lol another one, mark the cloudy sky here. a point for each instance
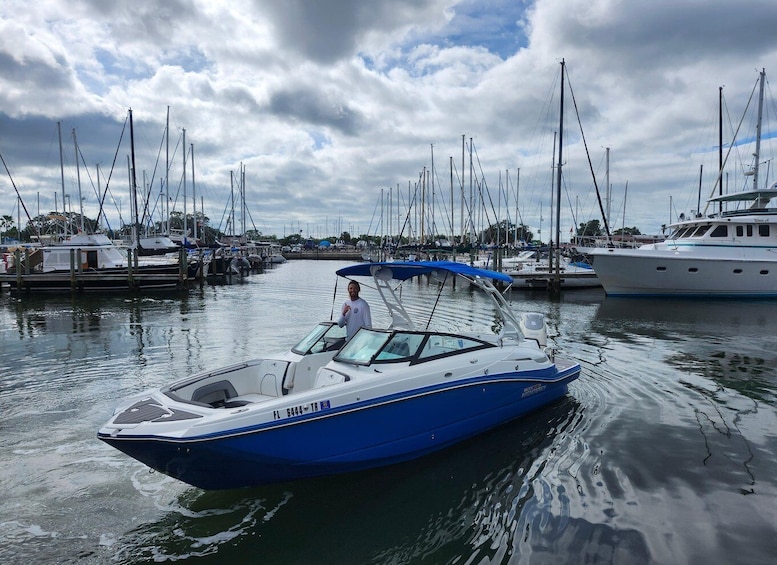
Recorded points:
(335, 108)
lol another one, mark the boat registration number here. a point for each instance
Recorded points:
(301, 409)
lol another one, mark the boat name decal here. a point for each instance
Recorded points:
(533, 389)
(301, 409)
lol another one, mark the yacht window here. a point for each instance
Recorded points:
(720, 231)
(763, 230)
(699, 231)
(446, 344)
(661, 269)
(687, 232)
(737, 271)
(693, 270)
(764, 272)
(740, 231)
(749, 231)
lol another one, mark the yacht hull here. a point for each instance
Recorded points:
(673, 273)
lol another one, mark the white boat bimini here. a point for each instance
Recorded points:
(386, 396)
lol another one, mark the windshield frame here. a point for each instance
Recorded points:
(325, 336)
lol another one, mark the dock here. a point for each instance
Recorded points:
(81, 278)
(325, 255)
(86, 281)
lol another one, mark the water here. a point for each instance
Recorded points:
(663, 452)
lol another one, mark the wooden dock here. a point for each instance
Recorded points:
(325, 255)
(90, 281)
(170, 276)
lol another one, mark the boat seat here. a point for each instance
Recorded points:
(250, 398)
(268, 389)
(216, 394)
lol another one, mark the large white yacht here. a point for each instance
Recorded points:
(728, 254)
(731, 252)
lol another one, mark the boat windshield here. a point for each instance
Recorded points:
(326, 336)
(363, 346)
(374, 346)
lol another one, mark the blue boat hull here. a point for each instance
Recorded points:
(353, 438)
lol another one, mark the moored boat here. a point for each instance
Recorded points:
(532, 273)
(725, 255)
(328, 406)
(731, 252)
(92, 262)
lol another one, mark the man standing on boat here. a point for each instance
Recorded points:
(356, 312)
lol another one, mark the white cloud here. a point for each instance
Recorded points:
(326, 103)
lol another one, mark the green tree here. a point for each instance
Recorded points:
(505, 231)
(6, 224)
(592, 229)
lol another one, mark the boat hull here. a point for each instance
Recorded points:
(353, 437)
(675, 272)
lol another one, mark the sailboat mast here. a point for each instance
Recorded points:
(194, 198)
(62, 176)
(608, 186)
(517, 213)
(231, 218)
(720, 147)
(453, 212)
(423, 207)
(243, 208)
(758, 130)
(431, 215)
(78, 179)
(185, 223)
(720, 144)
(555, 287)
(134, 195)
(552, 181)
(560, 160)
(167, 170)
(461, 208)
(471, 197)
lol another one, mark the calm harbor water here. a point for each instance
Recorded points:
(664, 451)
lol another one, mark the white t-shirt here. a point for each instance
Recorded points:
(357, 317)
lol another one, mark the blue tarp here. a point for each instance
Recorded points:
(403, 270)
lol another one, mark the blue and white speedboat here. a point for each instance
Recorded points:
(386, 396)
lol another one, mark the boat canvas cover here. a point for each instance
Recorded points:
(403, 270)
